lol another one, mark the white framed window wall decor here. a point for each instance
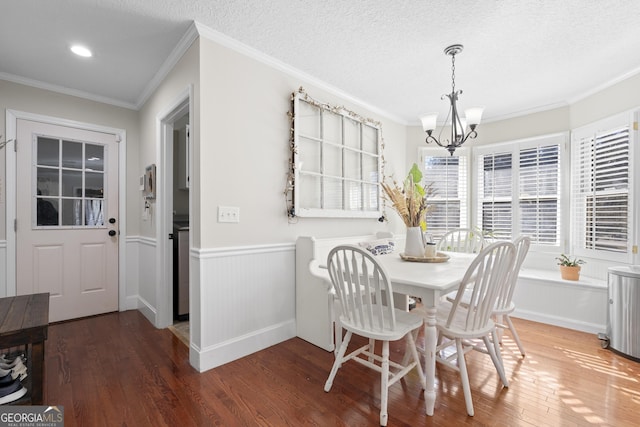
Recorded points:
(337, 161)
(448, 176)
(520, 189)
(602, 196)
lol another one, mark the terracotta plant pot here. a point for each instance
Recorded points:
(570, 273)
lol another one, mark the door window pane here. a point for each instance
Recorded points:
(47, 182)
(94, 185)
(93, 213)
(71, 154)
(94, 157)
(72, 212)
(71, 183)
(47, 211)
(48, 151)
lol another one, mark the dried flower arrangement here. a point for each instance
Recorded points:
(410, 200)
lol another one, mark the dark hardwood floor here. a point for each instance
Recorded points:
(118, 370)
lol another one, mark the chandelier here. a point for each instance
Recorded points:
(458, 125)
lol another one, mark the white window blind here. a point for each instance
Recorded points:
(600, 190)
(519, 189)
(448, 178)
(539, 194)
(495, 179)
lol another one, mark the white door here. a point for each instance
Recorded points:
(67, 210)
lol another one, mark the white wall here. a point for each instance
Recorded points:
(245, 151)
(247, 270)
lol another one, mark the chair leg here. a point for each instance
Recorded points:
(372, 348)
(411, 342)
(337, 336)
(407, 350)
(462, 365)
(499, 321)
(338, 362)
(384, 383)
(496, 345)
(515, 335)
(495, 358)
(337, 327)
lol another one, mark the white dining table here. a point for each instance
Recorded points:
(430, 282)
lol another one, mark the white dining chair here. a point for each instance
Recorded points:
(365, 295)
(505, 305)
(461, 240)
(459, 323)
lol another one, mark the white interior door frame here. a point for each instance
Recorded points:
(11, 123)
(181, 105)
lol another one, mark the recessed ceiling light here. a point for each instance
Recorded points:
(81, 51)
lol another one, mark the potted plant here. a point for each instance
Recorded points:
(569, 268)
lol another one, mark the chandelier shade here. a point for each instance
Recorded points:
(458, 125)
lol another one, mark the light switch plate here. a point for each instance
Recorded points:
(228, 214)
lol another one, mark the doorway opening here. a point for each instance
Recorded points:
(175, 216)
(180, 220)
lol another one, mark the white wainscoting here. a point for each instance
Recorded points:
(573, 305)
(129, 298)
(146, 295)
(3, 268)
(542, 296)
(247, 301)
(141, 277)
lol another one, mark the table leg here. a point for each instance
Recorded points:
(37, 373)
(430, 339)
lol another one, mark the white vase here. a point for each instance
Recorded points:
(414, 243)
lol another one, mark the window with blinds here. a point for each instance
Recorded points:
(447, 176)
(600, 189)
(495, 198)
(539, 181)
(519, 188)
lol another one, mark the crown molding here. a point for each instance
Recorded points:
(604, 86)
(66, 91)
(257, 55)
(181, 48)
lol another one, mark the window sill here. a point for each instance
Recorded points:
(553, 276)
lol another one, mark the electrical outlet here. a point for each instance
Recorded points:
(228, 214)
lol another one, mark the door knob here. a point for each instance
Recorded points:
(112, 233)
(112, 220)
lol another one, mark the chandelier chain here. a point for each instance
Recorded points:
(453, 73)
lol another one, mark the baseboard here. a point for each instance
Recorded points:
(219, 354)
(559, 321)
(147, 310)
(130, 303)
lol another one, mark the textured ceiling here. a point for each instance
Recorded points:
(519, 56)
